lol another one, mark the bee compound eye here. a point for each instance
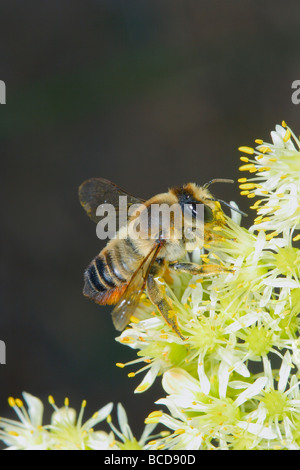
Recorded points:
(208, 214)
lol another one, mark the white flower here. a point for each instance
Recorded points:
(205, 421)
(127, 440)
(276, 169)
(27, 433)
(70, 432)
(65, 432)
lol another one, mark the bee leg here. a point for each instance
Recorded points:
(204, 269)
(157, 298)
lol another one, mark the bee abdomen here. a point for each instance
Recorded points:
(103, 282)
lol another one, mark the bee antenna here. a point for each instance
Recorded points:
(217, 180)
(232, 207)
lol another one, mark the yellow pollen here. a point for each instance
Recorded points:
(259, 157)
(83, 404)
(287, 135)
(160, 447)
(13, 433)
(126, 340)
(272, 159)
(251, 195)
(155, 414)
(131, 374)
(11, 402)
(256, 204)
(248, 167)
(142, 388)
(193, 286)
(282, 177)
(67, 402)
(248, 150)
(134, 319)
(248, 186)
(51, 400)
(271, 235)
(264, 168)
(244, 159)
(264, 149)
(242, 180)
(164, 336)
(19, 403)
(108, 419)
(259, 141)
(120, 364)
(179, 431)
(283, 124)
(152, 443)
(296, 238)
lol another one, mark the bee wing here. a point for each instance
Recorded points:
(131, 297)
(97, 191)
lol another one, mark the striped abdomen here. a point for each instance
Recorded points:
(108, 275)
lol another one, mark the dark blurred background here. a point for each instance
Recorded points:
(148, 94)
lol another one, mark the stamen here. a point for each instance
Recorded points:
(287, 135)
(248, 150)
(120, 364)
(142, 388)
(248, 186)
(11, 402)
(248, 167)
(80, 416)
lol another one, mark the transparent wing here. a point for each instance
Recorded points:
(131, 297)
(97, 191)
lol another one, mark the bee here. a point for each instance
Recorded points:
(127, 265)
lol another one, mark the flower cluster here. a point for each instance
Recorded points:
(67, 431)
(233, 382)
